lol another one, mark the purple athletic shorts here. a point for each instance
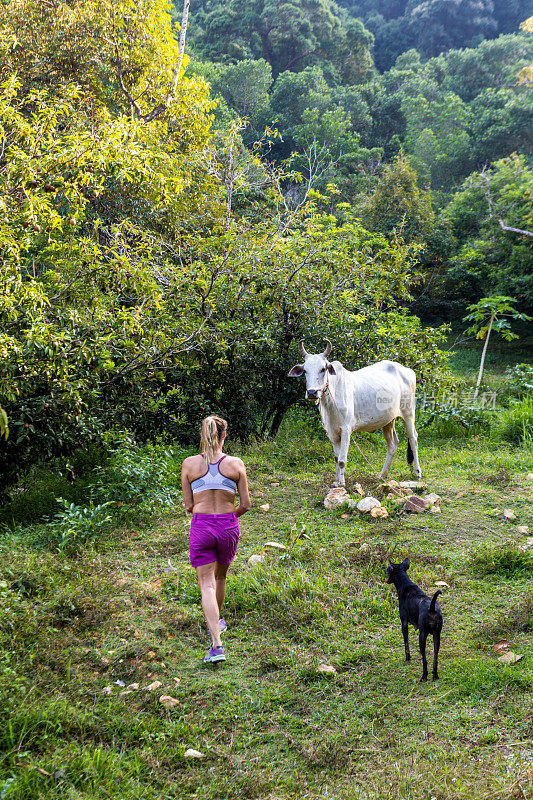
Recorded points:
(214, 537)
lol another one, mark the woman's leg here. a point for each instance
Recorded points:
(208, 588)
(221, 570)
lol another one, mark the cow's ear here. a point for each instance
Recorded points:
(296, 371)
(331, 369)
(406, 564)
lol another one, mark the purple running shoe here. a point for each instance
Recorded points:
(214, 655)
(222, 626)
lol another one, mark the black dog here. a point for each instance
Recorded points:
(416, 608)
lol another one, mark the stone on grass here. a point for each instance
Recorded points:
(133, 687)
(509, 514)
(275, 547)
(365, 548)
(442, 585)
(413, 485)
(153, 687)
(336, 497)
(433, 498)
(510, 658)
(435, 509)
(254, 560)
(529, 541)
(501, 647)
(523, 529)
(359, 489)
(367, 504)
(529, 476)
(345, 516)
(265, 507)
(327, 669)
(168, 702)
(379, 511)
(416, 504)
(190, 753)
(107, 690)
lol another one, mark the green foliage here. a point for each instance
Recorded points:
(494, 313)
(398, 204)
(76, 526)
(515, 423)
(486, 255)
(144, 478)
(517, 382)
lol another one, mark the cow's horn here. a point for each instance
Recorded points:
(302, 350)
(327, 351)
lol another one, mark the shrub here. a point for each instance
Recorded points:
(517, 382)
(75, 526)
(144, 477)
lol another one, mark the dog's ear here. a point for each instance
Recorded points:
(406, 564)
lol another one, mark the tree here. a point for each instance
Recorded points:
(398, 204)
(488, 314)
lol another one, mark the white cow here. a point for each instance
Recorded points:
(365, 400)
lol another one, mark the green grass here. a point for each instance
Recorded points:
(270, 726)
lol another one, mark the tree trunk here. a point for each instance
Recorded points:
(277, 420)
(483, 354)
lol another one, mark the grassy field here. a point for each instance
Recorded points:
(267, 723)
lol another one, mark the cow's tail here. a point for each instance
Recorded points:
(434, 600)
(410, 456)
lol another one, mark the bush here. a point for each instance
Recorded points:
(518, 382)
(142, 477)
(75, 526)
(515, 424)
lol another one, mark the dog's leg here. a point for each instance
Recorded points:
(422, 637)
(405, 631)
(436, 647)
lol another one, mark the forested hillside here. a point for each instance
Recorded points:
(414, 133)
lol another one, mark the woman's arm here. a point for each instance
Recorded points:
(242, 488)
(186, 488)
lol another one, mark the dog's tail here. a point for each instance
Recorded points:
(434, 600)
(410, 456)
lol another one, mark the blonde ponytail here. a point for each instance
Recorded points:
(211, 432)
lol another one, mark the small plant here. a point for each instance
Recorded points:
(508, 560)
(517, 382)
(142, 477)
(492, 313)
(75, 525)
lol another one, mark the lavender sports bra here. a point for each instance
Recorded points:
(213, 479)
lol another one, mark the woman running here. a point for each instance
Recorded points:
(209, 482)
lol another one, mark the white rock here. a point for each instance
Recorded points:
(265, 507)
(327, 669)
(510, 658)
(359, 489)
(433, 498)
(413, 485)
(435, 510)
(190, 753)
(351, 504)
(153, 687)
(529, 541)
(442, 585)
(523, 529)
(168, 702)
(509, 514)
(367, 504)
(133, 687)
(336, 497)
(254, 560)
(365, 548)
(529, 476)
